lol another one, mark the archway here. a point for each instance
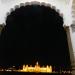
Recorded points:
(35, 33)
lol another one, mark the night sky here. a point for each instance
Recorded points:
(34, 33)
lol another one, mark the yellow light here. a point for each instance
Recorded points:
(37, 68)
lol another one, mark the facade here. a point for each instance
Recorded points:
(66, 8)
(37, 68)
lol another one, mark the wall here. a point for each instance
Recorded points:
(63, 5)
(67, 7)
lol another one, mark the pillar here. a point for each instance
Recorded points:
(70, 39)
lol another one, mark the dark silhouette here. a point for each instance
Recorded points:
(34, 33)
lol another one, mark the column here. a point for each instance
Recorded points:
(70, 40)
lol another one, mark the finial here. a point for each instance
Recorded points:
(37, 63)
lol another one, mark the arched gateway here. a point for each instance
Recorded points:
(35, 32)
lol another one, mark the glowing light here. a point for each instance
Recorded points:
(37, 68)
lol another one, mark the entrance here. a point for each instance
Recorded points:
(35, 33)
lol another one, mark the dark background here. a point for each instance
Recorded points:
(34, 33)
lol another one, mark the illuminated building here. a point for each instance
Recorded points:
(37, 68)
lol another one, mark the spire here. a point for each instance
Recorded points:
(37, 63)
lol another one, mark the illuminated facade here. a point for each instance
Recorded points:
(37, 68)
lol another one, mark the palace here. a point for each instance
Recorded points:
(37, 68)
